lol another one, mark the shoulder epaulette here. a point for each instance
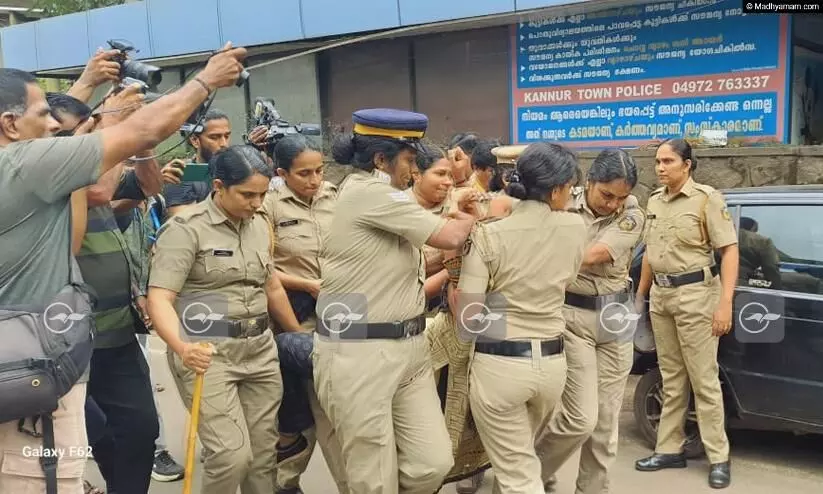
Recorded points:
(706, 189)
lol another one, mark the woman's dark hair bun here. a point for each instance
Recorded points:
(343, 149)
(516, 190)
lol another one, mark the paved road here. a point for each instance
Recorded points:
(763, 463)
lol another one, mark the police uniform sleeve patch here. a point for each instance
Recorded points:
(726, 215)
(627, 224)
(467, 247)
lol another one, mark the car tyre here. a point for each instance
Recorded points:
(648, 404)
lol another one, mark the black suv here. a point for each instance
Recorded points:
(771, 364)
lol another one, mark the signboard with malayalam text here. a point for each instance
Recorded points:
(626, 76)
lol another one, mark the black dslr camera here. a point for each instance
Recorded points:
(148, 74)
(266, 114)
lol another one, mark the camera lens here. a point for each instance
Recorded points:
(149, 74)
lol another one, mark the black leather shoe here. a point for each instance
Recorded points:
(720, 475)
(657, 462)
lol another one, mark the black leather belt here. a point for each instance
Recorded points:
(676, 280)
(374, 331)
(596, 302)
(519, 348)
(244, 328)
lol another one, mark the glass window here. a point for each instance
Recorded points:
(781, 247)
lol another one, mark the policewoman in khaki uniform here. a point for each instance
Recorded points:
(690, 307)
(509, 300)
(599, 348)
(213, 272)
(300, 210)
(372, 369)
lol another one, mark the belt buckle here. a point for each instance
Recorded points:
(251, 326)
(663, 280)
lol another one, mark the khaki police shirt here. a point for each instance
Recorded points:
(619, 232)
(371, 252)
(437, 209)
(298, 228)
(528, 258)
(674, 236)
(201, 250)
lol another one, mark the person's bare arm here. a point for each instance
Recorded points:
(160, 306)
(729, 266)
(79, 219)
(434, 283)
(644, 285)
(153, 123)
(279, 307)
(454, 233)
(149, 174)
(102, 192)
(298, 284)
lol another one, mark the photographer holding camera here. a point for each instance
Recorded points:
(38, 173)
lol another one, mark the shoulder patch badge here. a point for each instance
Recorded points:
(726, 215)
(627, 224)
(467, 247)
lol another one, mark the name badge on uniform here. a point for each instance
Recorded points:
(222, 252)
(288, 223)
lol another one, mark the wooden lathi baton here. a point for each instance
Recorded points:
(192, 432)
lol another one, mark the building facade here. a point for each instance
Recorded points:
(587, 73)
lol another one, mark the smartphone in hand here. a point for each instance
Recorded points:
(196, 172)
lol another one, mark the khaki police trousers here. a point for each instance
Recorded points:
(381, 399)
(687, 353)
(511, 401)
(20, 453)
(242, 390)
(589, 412)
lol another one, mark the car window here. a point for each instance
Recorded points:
(781, 247)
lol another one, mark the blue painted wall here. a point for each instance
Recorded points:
(161, 28)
